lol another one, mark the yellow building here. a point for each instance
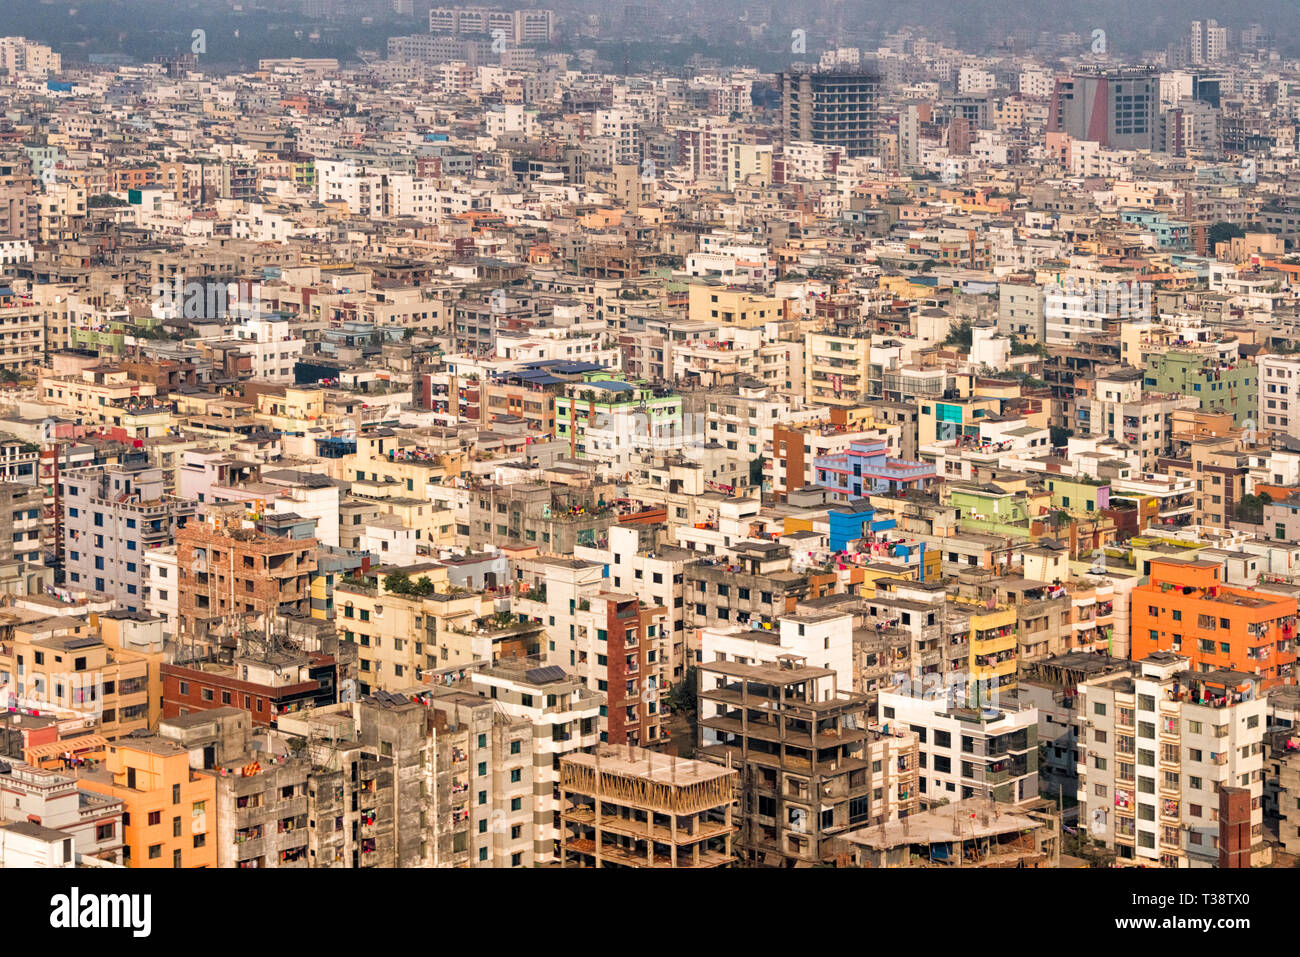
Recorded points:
(170, 812)
(714, 302)
(398, 636)
(382, 456)
(137, 634)
(434, 524)
(98, 396)
(993, 646)
(65, 665)
(836, 369)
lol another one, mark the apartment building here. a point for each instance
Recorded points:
(566, 717)
(69, 670)
(1051, 686)
(169, 810)
(1118, 408)
(53, 800)
(260, 809)
(1279, 388)
(226, 569)
(497, 797)
(22, 525)
(22, 328)
(831, 108)
(111, 517)
(656, 574)
(1157, 748)
(966, 752)
(1187, 608)
(370, 799)
(618, 644)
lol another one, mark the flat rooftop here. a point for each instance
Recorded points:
(649, 766)
(965, 820)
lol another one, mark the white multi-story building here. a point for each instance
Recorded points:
(53, 800)
(19, 55)
(1155, 749)
(566, 717)
(273, 346)
(1279, 387)
(161, 578)
(822, 639)
(968, 753)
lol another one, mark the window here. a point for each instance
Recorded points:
(516, 776)
(155, 818)
(155, 851)
(514, 747)
(516, 804)
(176, 794)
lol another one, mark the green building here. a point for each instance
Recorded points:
(1220, 386)
(629, 416)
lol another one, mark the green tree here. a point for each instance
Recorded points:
(1019, 348)
(959, 335)
(397, 583)
(1251, 508)
(682, 696)
(756, 471)
(104, 199)
(1222, 232)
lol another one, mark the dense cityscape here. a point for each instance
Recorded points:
(532, 437)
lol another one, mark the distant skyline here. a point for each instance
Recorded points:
(735, 31)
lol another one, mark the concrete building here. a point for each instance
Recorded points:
(226, 569)
(1186, 608)
(53, 800)
(1051, 686)
(22, 524)
(1116, 108)
(1279, 388)
(565, 716)
(969, 753)
(974, 832)
(111, 516)
(628, 807)
(833, 108)
(809, 764)
(169, 809)
(1155, 749)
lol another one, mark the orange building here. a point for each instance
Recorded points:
(1186, 608)
(170, 811)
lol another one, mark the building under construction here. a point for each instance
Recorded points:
(629, 807)
(975, 832)
(810, 766)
